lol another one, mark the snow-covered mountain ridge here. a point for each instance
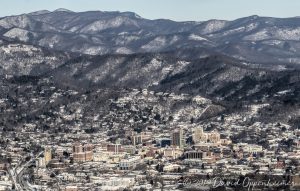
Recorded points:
(254, 38)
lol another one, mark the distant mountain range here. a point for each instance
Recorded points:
(246, 59)
(252, 39)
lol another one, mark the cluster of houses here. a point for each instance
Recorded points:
(136, 143)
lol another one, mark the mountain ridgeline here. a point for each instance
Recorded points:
(252, 58)
(254, 38)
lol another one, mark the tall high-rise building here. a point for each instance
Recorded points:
(115, 148)
(88, 149)
(178, 139)
(137, 139)
(77, 148)
(82, 153)
(199, 136)
(47, 155)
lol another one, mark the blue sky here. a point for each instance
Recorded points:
(180, 10)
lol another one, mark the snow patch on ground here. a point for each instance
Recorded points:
(196, 37)
(213, 26)
(123, 50)
(21, 21)
(101, 25)
(125, 39)
(255, 108)
(155, 44)
(17, 33)
(283, 92)
(201, 100)
(275, 33)
(15, 48)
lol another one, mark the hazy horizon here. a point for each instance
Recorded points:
(178, 10)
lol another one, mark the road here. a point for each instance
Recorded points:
(18, 177)
(12, 173)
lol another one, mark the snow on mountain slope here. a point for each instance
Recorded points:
(20, 59)
(157, 43)
(22, 21)
(19, 34)
(101, 25)
(25, 22)
(123, 50)
(97, 32)
(288, 34)
(141, 70)
(261, 35)
(275, 33)
(211, 26)
(196, 37)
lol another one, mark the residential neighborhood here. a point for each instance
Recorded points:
(137, 145)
